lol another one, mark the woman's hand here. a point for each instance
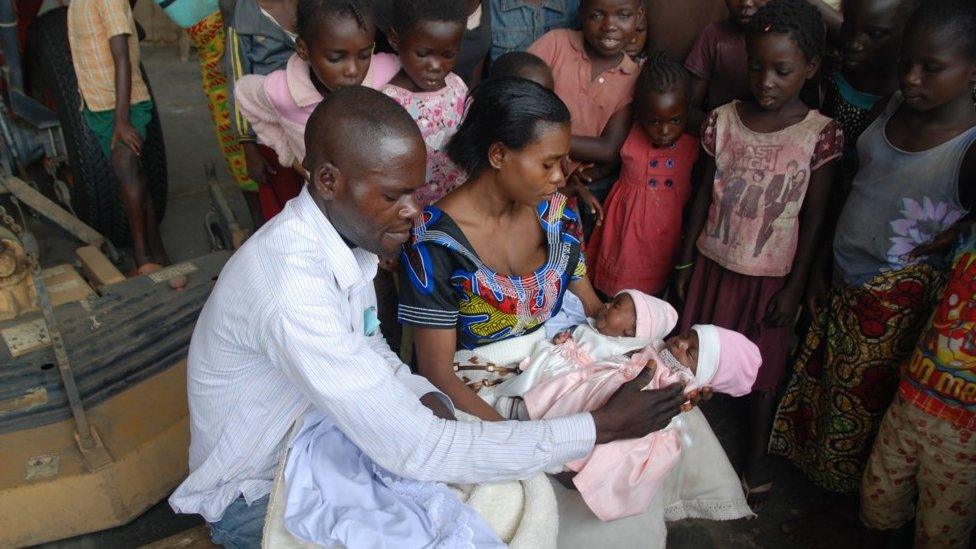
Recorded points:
(436, 405)
(782, 309)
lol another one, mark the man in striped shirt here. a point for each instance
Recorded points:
(291, 326)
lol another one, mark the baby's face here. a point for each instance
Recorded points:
(619, 318)
(684, 347)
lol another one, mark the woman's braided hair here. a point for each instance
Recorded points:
(798, 18)
(311, 13)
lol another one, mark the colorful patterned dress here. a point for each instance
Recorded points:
(846, 372)
(444, 284)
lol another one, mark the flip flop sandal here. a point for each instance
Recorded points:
(756, 495)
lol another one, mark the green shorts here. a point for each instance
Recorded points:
(102, 123)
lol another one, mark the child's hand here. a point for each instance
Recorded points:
(258, 168)
(681, 281)
(562, 337)
(590, 200)
(127, 135)
(782, 309)
(390, 263)
(816, 295)
(942, 243)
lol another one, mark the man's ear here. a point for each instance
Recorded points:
(327, 180)
(496, 154)
(301, 48)
(393, 39)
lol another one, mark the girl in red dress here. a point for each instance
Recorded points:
(636, 246)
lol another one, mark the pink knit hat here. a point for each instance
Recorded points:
(727, 361)
(655, 317)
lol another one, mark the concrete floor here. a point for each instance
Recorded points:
(190, 142)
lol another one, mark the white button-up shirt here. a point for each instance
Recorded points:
(283, 331)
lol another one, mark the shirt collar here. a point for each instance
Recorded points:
(350, 266)
(626, 66)
(299, 76)
(554, 5)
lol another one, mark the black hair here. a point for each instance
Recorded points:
(408, 13)
(798, 18)
(349, 117)
(957, 18)
(505, 110)
(311, 13)
(508, 65)
(661, 75)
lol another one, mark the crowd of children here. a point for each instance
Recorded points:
(802, 157)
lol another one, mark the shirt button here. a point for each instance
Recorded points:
(652, 182)
(668, 182)
(601, 80)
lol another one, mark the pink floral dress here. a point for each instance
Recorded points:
(438, 115)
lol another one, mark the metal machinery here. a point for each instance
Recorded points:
(93, 414)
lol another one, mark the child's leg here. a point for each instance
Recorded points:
(762, 408)
(134, 199)
(147, 244)
(946, 511)
(889, 483)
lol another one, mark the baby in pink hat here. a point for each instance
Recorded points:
(619, 479)
(630, 323)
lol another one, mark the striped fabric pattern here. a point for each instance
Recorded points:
(91, 23)
(283, 332)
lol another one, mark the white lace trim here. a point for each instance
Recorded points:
(708, 509)
(448, 514)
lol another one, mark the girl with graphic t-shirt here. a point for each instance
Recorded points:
(754, 258)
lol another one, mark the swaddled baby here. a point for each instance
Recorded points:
(630, 323)
(619, 479)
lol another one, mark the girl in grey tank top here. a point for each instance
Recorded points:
(898, 200)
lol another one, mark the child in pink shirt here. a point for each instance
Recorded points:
(427, 35)
(328, 45)
(595, 77)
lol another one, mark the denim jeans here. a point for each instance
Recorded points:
(242, 525)
(516, 24)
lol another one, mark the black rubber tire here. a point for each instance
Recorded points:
(95, 194)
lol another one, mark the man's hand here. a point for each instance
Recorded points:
(127, 135)
(258, 168)
(436, 405)
(633, 413)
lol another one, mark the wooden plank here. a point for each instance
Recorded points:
(100, 271)
(46, 207)
(65, 285)
(197, 537)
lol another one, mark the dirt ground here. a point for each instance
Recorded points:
(190, 143)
